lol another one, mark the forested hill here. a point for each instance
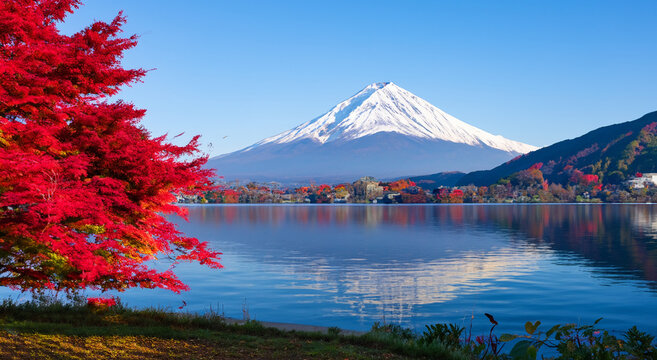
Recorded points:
(612, 152)
(432, 181)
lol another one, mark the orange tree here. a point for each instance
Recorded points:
(83, 186)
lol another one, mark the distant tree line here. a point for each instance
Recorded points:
(525, 186)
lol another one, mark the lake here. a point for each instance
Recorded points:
(352, 265)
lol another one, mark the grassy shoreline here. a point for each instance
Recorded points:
(74, 330)
(67, 331)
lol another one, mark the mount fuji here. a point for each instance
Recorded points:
(383, 131)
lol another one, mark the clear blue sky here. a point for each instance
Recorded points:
(533, 71)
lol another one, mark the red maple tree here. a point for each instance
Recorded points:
(400, 185)
(83, 186)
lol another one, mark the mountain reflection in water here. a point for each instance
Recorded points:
(427, 263)
(351, 265)
(622, 237)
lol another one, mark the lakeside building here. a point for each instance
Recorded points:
(640, 181)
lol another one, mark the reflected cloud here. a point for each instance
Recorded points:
(395, 289)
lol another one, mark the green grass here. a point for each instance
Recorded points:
(55, 330)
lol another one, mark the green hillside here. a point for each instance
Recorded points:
(613, 153)
(433, 181)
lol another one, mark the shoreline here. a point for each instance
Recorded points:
(417, 204)
(62, 330)
(295, 327)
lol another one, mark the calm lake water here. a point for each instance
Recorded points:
(352, 265)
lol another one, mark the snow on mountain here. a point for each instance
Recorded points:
(385, 107)
(382, 131)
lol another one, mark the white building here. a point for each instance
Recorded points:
(647, 179)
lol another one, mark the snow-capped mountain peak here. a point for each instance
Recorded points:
(386, 107)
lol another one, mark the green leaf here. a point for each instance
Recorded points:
(521, 351)
(531, 328)
(532, 352)
(507, 337)
(552, 330)
(597, 321)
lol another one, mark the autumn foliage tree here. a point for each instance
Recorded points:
(83, 186)
(529, 177)
(400, 185)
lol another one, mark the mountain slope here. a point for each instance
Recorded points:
(433, 181)
(383, 131)
(385, 107)
(612, 152)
